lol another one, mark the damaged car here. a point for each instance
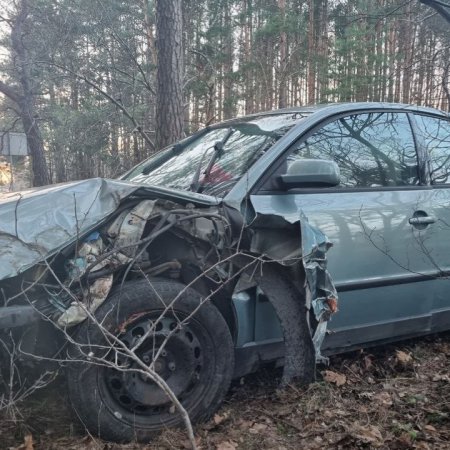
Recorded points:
(211, 258)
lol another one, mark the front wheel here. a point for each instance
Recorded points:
(196, 361)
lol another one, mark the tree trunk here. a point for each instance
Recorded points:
(249, 94)
(282, 89)
(24, 99)
(311, 54)
(148, 29)
(228, 104)
(169, 98)
(323, 51)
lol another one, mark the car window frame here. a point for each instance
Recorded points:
(427, 156)
(421, 154)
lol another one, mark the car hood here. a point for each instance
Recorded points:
(37, 223)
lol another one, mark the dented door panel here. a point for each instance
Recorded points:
(374, 248)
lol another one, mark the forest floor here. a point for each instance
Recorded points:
(391, 397)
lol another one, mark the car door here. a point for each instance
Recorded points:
(376, 261)
(433, 134)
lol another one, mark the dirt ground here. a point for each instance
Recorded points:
(392, 397)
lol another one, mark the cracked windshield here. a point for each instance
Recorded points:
(214, 161)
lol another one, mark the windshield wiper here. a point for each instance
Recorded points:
(175, 150)
(218, 151)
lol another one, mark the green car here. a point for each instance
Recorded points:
(284, 236)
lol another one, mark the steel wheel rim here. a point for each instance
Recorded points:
(185, 363)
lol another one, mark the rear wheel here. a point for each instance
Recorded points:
(197, 362)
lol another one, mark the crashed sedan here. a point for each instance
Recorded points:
(211, 258)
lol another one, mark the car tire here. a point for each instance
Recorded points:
(197, 362)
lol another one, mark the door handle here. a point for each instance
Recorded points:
(425, 220)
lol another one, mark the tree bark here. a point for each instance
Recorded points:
(282, 89)
(169, 95)
(311, 54)
(248, 30)
(228, 105)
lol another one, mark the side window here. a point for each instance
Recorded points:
(436, 137)
(371, 150)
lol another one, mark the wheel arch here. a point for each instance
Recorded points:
(284, 289)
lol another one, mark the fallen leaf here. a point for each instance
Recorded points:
(422, 445)
(369, 434)
(218, 419)
(186, 444)
(338, 379)
(342, 412)
(406, 439)
(227, 445)
(384, 398)
(28, 442)
(245, 424)
(284, 411)
(257, 428)
(430, 428)
(440, 377)
(403, 357)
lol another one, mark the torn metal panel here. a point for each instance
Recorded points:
(309, 246)
(132, 227)
(321, 292)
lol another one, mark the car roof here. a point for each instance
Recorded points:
(346, 107)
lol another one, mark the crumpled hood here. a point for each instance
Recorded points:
(34, 224)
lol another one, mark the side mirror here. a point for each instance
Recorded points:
(311, 173)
